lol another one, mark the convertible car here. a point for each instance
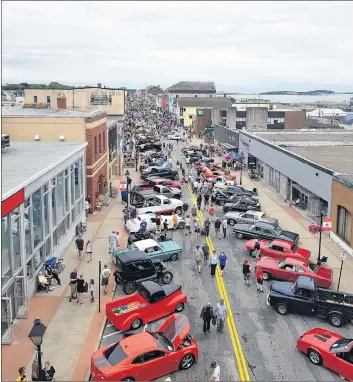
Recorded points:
(147, 355)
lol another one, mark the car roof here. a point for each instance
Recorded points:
(130, 256)
(161, 196)
(143, 244)
(161, 180)
(305, 282)
(152, 287)
(138, 343)
(258, 213)
(264, 224)
(290, 260)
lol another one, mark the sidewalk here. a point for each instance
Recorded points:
(73, 330)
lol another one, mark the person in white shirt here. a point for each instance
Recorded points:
(187, 161)
(170, 160)
(216, 371)
(105, 278)
(195, 185)
(187, 225)
(224, 227)
(113, 242)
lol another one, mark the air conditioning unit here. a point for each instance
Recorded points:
(62, 137)
(36, 138)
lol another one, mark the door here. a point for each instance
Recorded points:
(304, 302)
(21, 301)
(267, 233)
(154, 365)
(6, 320)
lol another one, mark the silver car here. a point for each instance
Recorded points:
(248, 217)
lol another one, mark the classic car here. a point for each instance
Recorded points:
(242, 204)
(147, 355)
(157, 162)
(248, 217)
(159, 172)
(149, 146)
(167, 250)
(134, 267)
(155, 169)
(289, 269)
(239, 191)
(330, 349)
(163, 182)
(175, 136)
(150, 303)
(263, 230)
(155, 190)
(162, 205)
(133, 225)
(278, 249)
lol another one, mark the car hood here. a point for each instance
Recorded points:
(321, 338)
(170, 246)
(242, 227)
(175, 328)
(231, 215)
(282, 288)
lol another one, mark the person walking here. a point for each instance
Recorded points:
(48, 372)
(22, 376)
(207, 315)
(87, 207)
(206, 199)
(246, 272)
(221, 314)
(89, 250)
(158, 223)
(224, 227)
(212, 212)
(165, 226)
(105, 278)
(73, 285)
(199, 201)
(217, 227)
(257, 253)
(213, 263)
(197, 228)
(80, 289)
(185, 207)
(91, 289)
(199, 187)
(112, 242)
(206, 253)
(187, 225)
(216, 372)
(79, 245)
(175, 221)
(195, 186)
(259, 279)
(222, 258)
(207, 225)
(198, 256)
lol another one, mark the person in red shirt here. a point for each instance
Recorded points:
(259, 279)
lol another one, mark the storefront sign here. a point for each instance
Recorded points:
(199, 112)
(326, 224)
(12, 202)
(244, 143)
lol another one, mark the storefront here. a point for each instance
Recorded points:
(42, 203)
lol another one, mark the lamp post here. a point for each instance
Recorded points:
(128, 182)
(322, 211)
(241, 168)
(136, 159)
(36, 336)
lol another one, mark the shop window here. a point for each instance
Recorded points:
(30, 269)
(5, 250)
(55, 238)
(61, 231)
(16, 241)
(72, 186)
(344, 224)
(46, 213)
(77, 180)
(37, 259)
(47, 249)
(60, 199)
(67, 223)
(37, 218)
(53, 207)
(28, 226)
(67, 193)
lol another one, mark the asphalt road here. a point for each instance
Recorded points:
(267, 339)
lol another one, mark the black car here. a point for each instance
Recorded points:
(149, 146)
(219, 197)
(244, 204)
(159, 172)
(238, 191)
(134, 267)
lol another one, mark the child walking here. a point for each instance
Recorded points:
(91, 289)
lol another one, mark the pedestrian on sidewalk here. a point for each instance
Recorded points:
(22, 376)
(198, 256)
(187, 225)
(217, 227)
(89, 250)
(199, 201)
(224, 227)
(206, 253)
(87, 207)
(213, 263)
(207, 225)
(112, 242)
(246, 272)
(175, 221)
(91, 289)
(207, 315)
(222, 258)
(80, 289)
(105, 278)
(158, 223)
(206, 200)
(216, 371)
(197, 228)
(259, 279)
(221, 314)
(35, 369)
(79, 245)
(73, 285)
(212, 212)
(48, 372)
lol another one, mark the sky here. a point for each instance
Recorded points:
(241, 46)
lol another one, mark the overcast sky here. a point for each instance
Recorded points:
(241, 46)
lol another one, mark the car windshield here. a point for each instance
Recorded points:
(281, 263)
(163, 341)
(115, 354)
(294, 248)
(313, 268)
(341, 345)
(133, 246)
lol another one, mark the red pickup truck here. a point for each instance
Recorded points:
(150, 303)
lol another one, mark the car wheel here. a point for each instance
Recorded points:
(178, 210)
(266, 276)
(129, 287)
(232, 222)
(173, 257)
(314, 357)
(282, 309)
(335, 320)
(187, 362)
(136, 324)
(129, 379)
(179, 307)
(167, 277)
(240, 235)
(221, 202)
(181, 225)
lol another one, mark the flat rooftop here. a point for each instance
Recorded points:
(24, 162)
(49, 113)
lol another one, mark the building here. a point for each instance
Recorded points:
(55, 125)
(43, 193)
(327, 113)
(111, 101)
(154, 90)
(192, 89)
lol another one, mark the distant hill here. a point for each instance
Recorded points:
(311, 92)
(52, 85)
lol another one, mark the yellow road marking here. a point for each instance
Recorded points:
(234, 336)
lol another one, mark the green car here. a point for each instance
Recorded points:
(164, 251)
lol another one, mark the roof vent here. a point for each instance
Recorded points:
(36, 138)
(62, 137)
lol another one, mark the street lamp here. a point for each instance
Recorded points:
(36, 336)
(128, 182)
(241, 168)
(136, 159)
(322, 211)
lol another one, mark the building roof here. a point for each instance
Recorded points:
(24, 162)
(204, 102)
(49, 113)
(193, 87)
(346, 179)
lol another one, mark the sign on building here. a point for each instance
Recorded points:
(181, 112)
(199, 112)
(326, 224)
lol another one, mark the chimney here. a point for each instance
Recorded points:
(61, 102)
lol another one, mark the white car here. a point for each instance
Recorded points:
(162, 205)
(174, 137)
(133, 225)
(248, 217)
(221, 182)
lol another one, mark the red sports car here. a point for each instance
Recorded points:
(147, 355)
(289, 269)
(330, 349)
(279, 249)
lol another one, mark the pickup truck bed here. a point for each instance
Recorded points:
(338, 298)
(129, 308)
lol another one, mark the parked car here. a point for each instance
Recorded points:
(137, 357)
(163, 182)
(151, 302)
(159, 172)
(263, 230)
(304, 297)
(239, 191)
(248, 217)
(133, 225)
(243, 204)
(330, 349)
(289, 269)
(162, 205)
(149, 146)
(154, 190)
(175, 136)
(134, 267)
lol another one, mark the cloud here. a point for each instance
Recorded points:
(244, 46)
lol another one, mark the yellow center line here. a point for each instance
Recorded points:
(239, 354)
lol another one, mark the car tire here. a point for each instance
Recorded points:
(167, 277)
(221, 202)
(232, 222)
(282, 309)
(181, 225)
(129, 287)
(178, 210)
(336, 320)
(135, 324)
(187, 361)
(180, 307)
(315, 357)
(267, 276)
(128, 379)
(174, 257)
(239, 235)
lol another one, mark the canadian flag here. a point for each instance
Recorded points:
(327, 224)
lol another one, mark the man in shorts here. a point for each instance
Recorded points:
(198, 256)
(105, 278)
(79, 245)
(113, 242)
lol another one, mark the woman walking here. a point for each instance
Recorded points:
(246, 272)
(213, 263)
(222, 261)
(197, 228)
(199, 201)
(91, 289)
(89, 250)
(48, 372)
(80, 289)
(206, 316)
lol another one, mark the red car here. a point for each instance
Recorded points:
(279, 249)
(329, 349)
(289, 269)
(147, 355)
(200, 166)
(150, 303)
(163, 182)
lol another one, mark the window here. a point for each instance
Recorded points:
(103, 141)
(137, 360)
(100, 143)
(150, 356)
(72, 185)
(37, 259)
(28, 226)
(115, 354)
(30, 269)
(37, 218)
(299, 269)
(16, 235)
(67, 223)
(67, 193)
(77, 180)
(48, 99)
(95, 145)
(35, 99)
(53, 206)
(60, 196)
(344, 224)
(61, 231)
(46, 213)
(5, 250)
